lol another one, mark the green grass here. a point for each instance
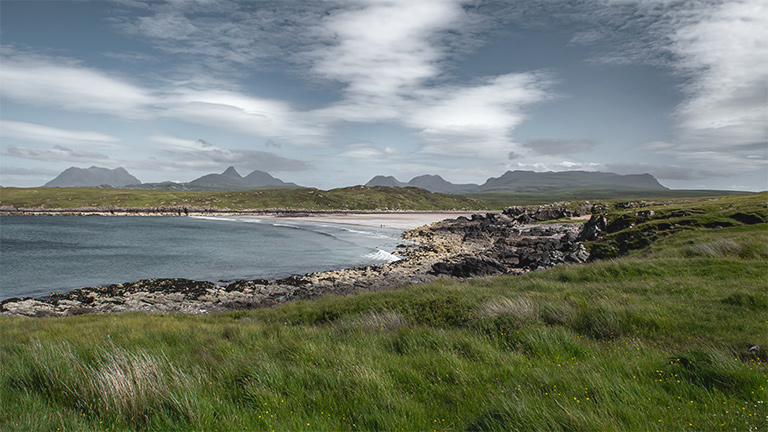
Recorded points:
(351, 198)
(498, 200)
(657, 339)
(637, 225)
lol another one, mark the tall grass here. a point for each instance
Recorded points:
(110, 382)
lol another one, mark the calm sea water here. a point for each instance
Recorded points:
(40, 255)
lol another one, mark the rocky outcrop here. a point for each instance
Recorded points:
(483, 245)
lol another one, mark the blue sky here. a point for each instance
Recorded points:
(331, 93)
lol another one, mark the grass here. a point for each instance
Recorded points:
(657, 339)
(351, 198)
(505, 199)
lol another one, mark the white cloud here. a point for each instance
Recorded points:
(388, 58)
(477, 120)
(384, 48)
(391, 58)
(723, 50)
(57, 82)
(362, 153)
(365, 151)
(183, 154)
(65, 83)
(718, 49)
(57, 153)
(33, 132)
(244, 114)
(552, 165)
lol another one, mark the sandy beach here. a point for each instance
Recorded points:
(396, 220)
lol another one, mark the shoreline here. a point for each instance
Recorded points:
(480, 245)
(398, 220)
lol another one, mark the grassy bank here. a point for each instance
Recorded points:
(351, 198)
(658, 339)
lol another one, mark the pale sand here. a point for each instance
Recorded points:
(396, 220)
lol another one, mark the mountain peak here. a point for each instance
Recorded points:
(231, 172)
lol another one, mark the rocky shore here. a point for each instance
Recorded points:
(485, 244)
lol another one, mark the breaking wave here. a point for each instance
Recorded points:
(381, 255)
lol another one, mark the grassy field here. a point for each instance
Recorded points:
(351, 198)
(506, 199)
(657, 339)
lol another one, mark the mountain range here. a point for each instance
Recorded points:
(230, 179)
(531, 182)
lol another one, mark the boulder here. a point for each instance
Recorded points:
(592, 229)
(470, 266)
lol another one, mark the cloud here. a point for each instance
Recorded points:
(545, 165)
(717, 49)
(389, 60)
(722, 49)
(200, 154)
(244, 114)
(57, 153)
(366, 152)
(553, 147)
(58, 82)
(24, 172)
(225, 35)
(33, 132)
(67, 84)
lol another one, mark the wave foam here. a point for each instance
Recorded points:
(381, 255)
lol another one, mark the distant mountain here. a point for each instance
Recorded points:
(386, 181)
(230, 177)
(261, 178)
(93, 177)
(432, 183)
(435, 183)
(530, 181)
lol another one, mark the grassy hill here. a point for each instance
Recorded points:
(351, 198)
(660, 338)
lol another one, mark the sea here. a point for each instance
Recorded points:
(40, 255)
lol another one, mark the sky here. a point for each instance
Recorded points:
(328, 93)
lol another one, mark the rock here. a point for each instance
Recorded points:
(468, 267)
(592, 229)
(578, 255)
(29, 307)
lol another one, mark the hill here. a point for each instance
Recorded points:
(387, 181)
(93, 177)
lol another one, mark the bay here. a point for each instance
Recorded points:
(42, 254)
